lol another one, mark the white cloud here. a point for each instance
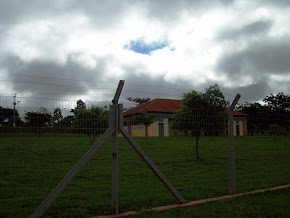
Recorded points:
(96, 41)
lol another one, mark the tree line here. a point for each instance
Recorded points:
(200, 114)
(274, 110)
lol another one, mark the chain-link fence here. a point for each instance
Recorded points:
(43, 139)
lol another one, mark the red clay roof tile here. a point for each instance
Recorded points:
(165, 106)
(156, 105)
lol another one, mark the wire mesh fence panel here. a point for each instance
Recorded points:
(43, 139)
(172, 141)
(262, 159)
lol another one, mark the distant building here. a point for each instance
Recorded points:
(240, 123)
(164, 110)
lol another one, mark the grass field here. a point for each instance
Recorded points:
(270, 204)
(32, 166)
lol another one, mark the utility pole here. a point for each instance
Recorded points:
(14, 109)
(14, 104)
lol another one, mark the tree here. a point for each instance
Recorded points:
(7, 114)
(66, 122)
(214, 98)
(275, 111)
(143, 118)
(92, 122)
(80, 105)
(37, 119)
(258, 116)
(276, 130)
(279, 107)
(201, 114)
(139, 101)
(279, 103)
(57, 115)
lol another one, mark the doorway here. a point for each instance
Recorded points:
(161, 129)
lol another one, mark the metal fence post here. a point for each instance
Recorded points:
(232, 146)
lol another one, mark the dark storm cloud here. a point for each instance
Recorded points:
(252, 29)
(267, 56)
(249, 93)
(50, 77)
(41, 78)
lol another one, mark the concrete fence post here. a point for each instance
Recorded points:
(232, 146)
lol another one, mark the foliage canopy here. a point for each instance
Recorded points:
(139, 101)
(7, 114)
(92, 121)
(275, 111)
(201, 113)
(37, 119)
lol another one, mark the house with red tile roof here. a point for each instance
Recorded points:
(164, 110)
(158, 105)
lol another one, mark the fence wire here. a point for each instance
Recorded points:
(42, 139)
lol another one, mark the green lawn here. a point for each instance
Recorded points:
(32, 166)
(269, 204)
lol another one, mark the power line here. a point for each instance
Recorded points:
(81, 87)
(46, 93)
(97, 94)
(91, 81)
(53, 84)
(98, 81)
(57, 78)
(112, 89)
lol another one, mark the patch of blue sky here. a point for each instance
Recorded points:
(141, 47)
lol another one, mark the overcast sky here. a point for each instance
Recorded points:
(69, 49)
